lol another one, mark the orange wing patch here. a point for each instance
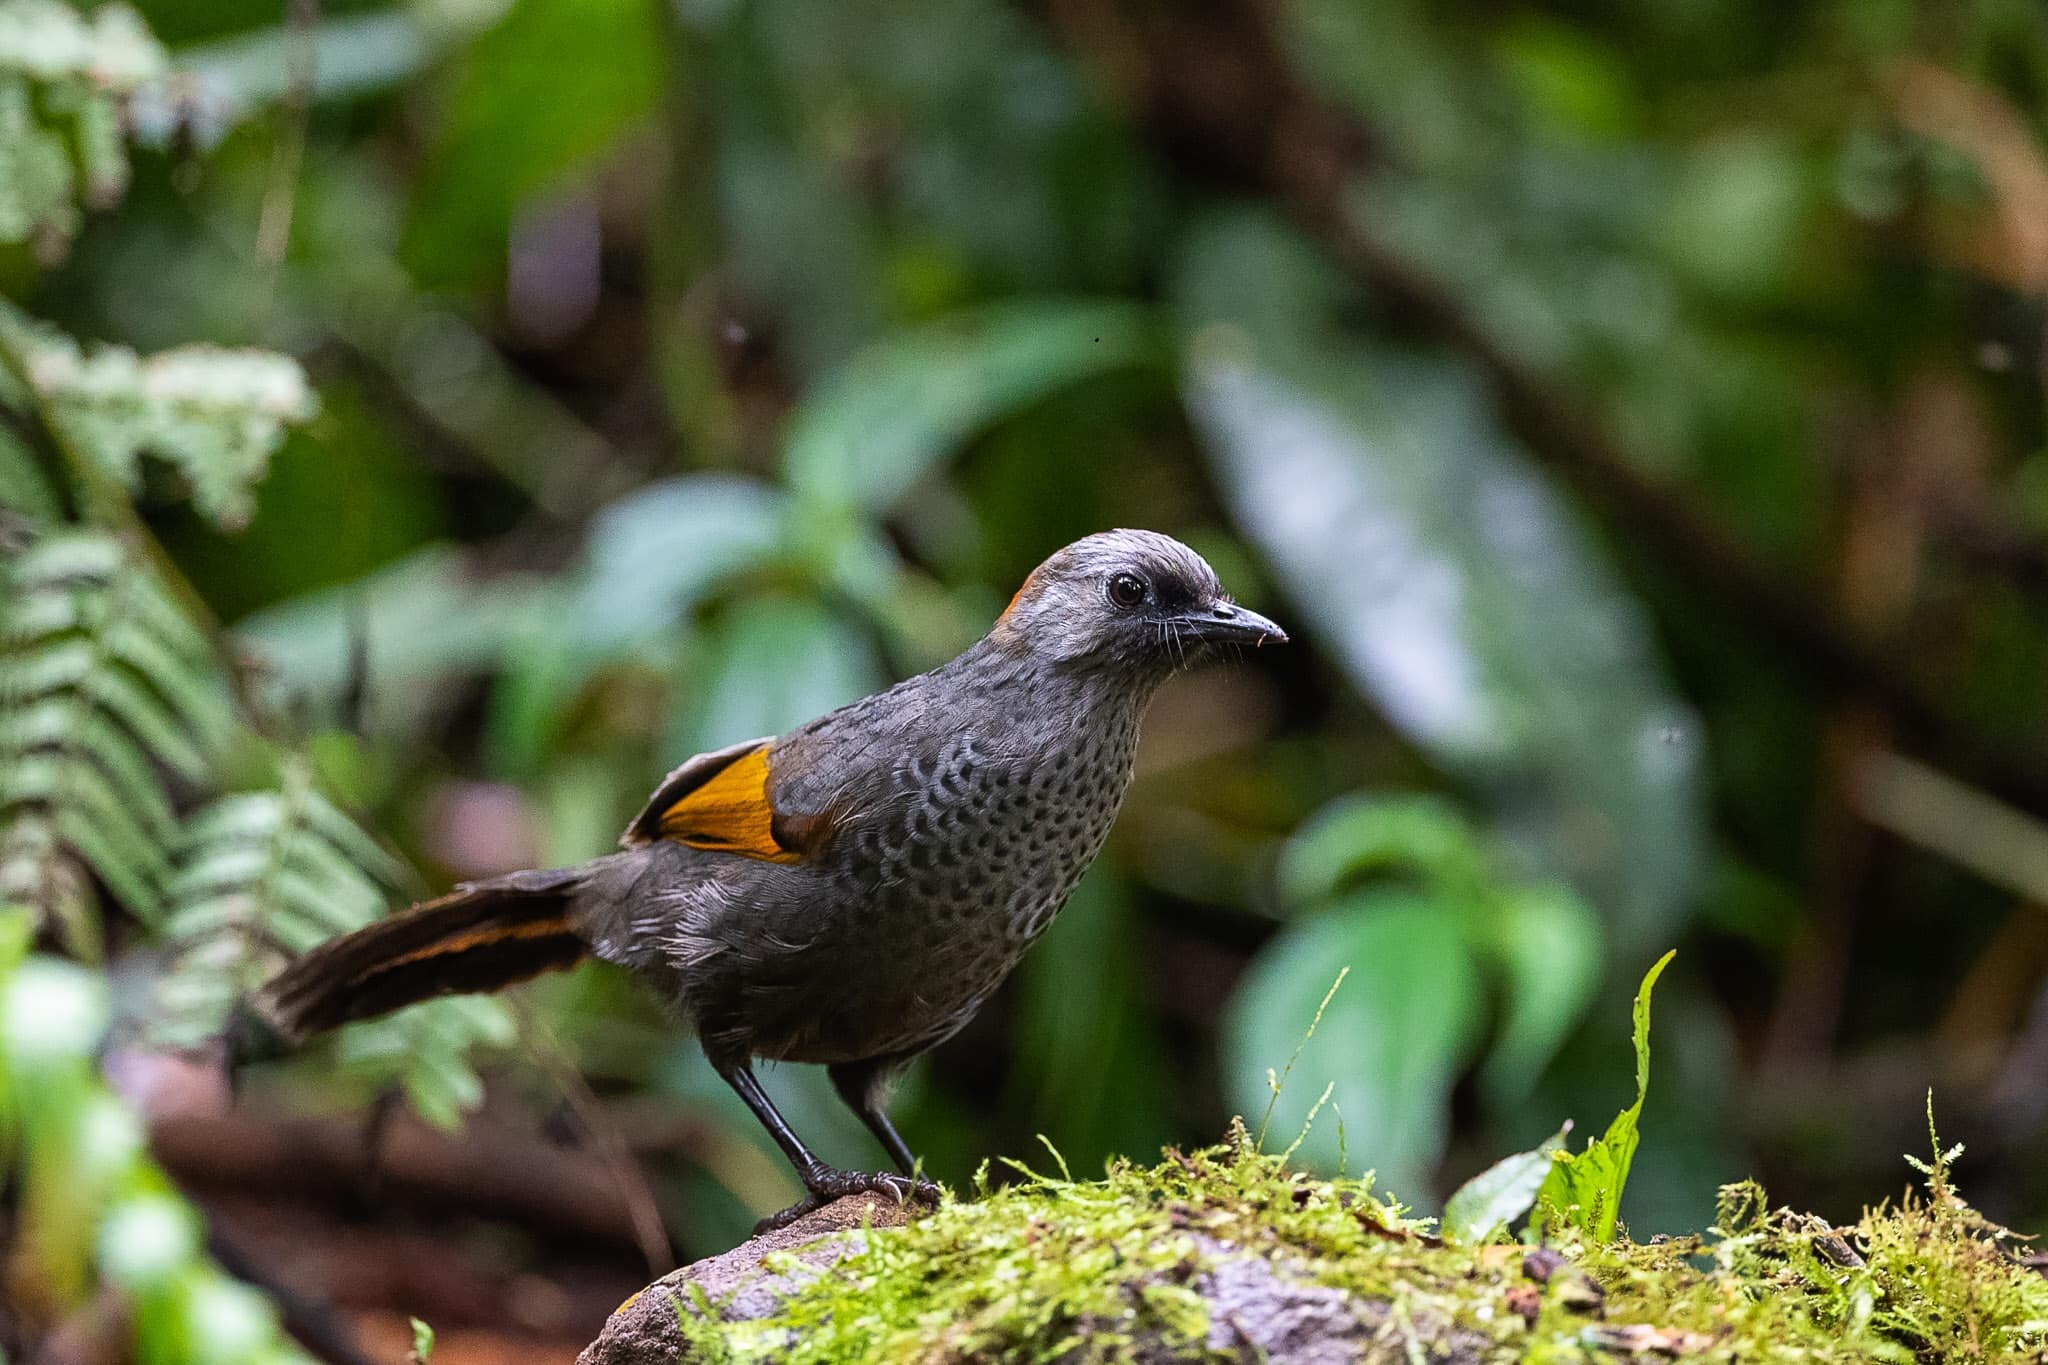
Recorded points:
(730, 813)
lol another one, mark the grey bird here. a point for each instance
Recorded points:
(851, 892)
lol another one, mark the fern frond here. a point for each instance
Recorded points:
(258, 881)
(107, 693)
(215, 413)
(264, 876)
(37, 870)
(427, 1051)
(63, 76)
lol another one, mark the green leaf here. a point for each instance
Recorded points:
(425, 620)
(1545, 943)
(1454, 586)
(266, 875)
(653, 557)
(1391, 1043)
(353, 56)
(1425, 836)
(90, 1213)
(1542, 941)
(24, 487)
(865, 436)
(428, 1051)
(38, 869)
(262, 875)
(52, 1016)
(37, 184)
(17, 936)
(145, 1241)
(422, 1343)
(657, 553)
(50, 41)
(749, 688)
(542, 96)
(1501, 1193)
(1741, 205)
(48, 723)
(1575, 84)
(1583, 1192)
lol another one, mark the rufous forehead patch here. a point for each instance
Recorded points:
(1018, 596)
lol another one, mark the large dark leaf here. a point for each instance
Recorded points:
(874, 428)
(543, 96)
(1442, 571)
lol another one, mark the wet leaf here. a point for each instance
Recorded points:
(1390, 1043)
(1545, 944)
(1453, 585)
(1501, 1193)
(868, 433)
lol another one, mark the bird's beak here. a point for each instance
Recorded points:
(1226, 623)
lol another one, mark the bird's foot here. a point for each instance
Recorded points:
(824, 1185)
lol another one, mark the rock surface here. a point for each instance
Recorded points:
(1260, 1309)
(644, 1330)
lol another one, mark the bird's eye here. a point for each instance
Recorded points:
(1127, 590)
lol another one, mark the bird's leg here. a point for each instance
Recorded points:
(865, 1086)
(885, 1133)
(822, 1183)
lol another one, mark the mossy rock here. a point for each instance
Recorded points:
(1226, 1255)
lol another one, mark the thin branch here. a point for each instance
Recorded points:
(484, 1171)
(2004, 846)
(288, 152)
(312, 1322)
(606, 1140)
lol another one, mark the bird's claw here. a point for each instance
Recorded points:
(824, 1186)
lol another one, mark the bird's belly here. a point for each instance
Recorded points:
(943, 959)
(952, 899)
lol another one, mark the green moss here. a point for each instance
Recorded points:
(1111, 1270)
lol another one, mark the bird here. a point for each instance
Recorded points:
(849, 893)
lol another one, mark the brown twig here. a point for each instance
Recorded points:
(484, 1171)
(311, 1322)
(607, 1141)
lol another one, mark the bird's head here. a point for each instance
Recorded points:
(1128, 601)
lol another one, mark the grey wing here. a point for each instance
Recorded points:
(858, 766)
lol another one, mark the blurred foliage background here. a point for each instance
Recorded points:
(422, 424)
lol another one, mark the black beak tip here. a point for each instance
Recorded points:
(1228, 621)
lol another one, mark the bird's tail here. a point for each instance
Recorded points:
(483, 936)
